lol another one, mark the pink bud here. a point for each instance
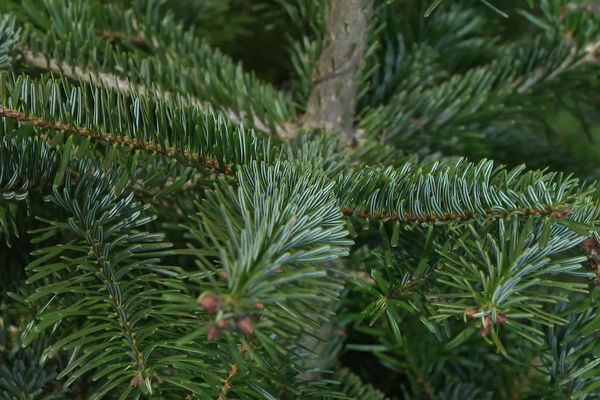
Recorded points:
(245, 325)
(472, 311)
(487, 325)
(501, 319)
(210, 303)
(259, 306)
(562, 213)
(223, 323)
(133, 382)
(213, 332)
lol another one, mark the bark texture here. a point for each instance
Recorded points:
(332, 101)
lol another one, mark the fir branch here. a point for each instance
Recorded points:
(114, 139)
(570, 358)
(459, 191)
(118, 306)
(181, 63)
(558, 213)
(476, 248)
(104, 79)
(109, 261)
(186, 132)
(282, 230)
(26, 166)
(497, 274)
(77, 73)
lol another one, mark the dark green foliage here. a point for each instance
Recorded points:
(355, 389)
(171, 229)
(9, 37)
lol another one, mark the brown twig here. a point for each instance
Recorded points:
(232, 373)
(115, 139)
(432, 218)
(124, 37)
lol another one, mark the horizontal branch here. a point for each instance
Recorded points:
(122, 85)
(432, 218)
(115, 139)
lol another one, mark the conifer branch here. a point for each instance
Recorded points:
(333, 97)
(458, 191)
(77, 73)
(124, 324)
(133, 144)
(558, 213)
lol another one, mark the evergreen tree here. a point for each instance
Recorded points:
(175, 226)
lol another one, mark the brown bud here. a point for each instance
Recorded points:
(341, 333)
(259, 306)
(471, 311)
(588, 245)
(213, 332)
(244, 325)
(501, 319)
(160, 380)
(210, 303)
(591, 248)
(562, 213)
(487, 325)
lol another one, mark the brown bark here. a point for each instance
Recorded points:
(332, 101)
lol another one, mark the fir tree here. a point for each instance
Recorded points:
(329, 226)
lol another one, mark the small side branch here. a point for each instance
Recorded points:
(124, 37)
(232, 373)
(332, 101)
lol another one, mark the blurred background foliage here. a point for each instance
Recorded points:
(258, 33)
